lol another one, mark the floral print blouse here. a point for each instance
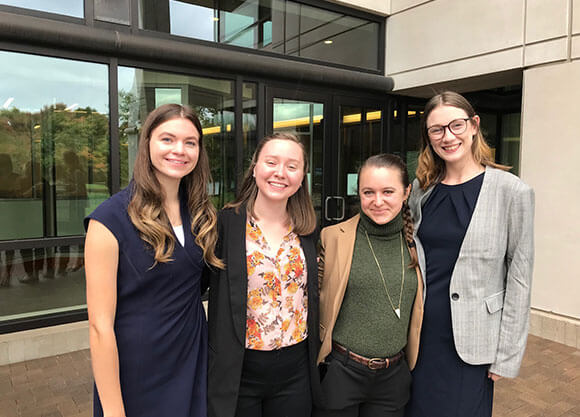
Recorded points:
(277, 292)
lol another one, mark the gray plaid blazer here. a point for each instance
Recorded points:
(492, 278)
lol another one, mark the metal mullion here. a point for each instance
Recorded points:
(239, 128)
(41, 242)
(114, 142)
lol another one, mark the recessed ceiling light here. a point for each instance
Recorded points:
(328, 42)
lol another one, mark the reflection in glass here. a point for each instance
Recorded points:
(329, 36)
(115, 11)
(280, 26)
(54, 144)
(413, 140)
(510, 141)
(73, 8)
(249, 117)
(306, 120)
(360, 137)
(39, 281)
(141, 91)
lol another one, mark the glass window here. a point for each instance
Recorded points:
(306, 120)
(140, 91)
(510, 141)
(280, 26)
(54, 170)
(73, 8)
(413, 143)
(54, 144)
(115, 11)
(191, 18)
(332, 37)
(360, 137)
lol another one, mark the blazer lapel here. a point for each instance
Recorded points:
(346, 248)
(479, 212)
(238, 271)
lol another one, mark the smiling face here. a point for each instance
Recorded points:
(452, 148)
(279, 170)
(174, 149)
(381, 193)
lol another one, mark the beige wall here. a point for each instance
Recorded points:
(550, 161)
(445, 40)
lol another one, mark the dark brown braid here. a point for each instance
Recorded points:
(408, 231)
(385, 160)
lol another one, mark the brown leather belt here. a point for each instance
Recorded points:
(371, 363)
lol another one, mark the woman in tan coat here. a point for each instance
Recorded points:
(371, 302)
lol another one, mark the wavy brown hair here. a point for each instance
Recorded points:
(430, 167)
(299, 206)
(146, 205)
(387, 160)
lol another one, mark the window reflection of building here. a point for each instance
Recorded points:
(280, 26)
(55, 130)
(141, 91)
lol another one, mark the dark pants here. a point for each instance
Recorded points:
(275, 383)
(353, 390)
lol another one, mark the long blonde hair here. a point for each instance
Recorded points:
(146, 205)
(299, 205)
(430, 167)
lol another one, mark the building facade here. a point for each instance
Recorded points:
(350, 77)
(471, 45)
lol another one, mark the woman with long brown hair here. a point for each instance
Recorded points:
(474, 225)
(145, 251)
(263, 308)
(371, 302)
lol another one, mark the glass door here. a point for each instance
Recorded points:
(360, 133)
(339, 134)
(305, 115)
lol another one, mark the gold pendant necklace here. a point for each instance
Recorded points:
(397, 310)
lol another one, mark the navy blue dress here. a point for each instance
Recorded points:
(444, 385)
(160, 323)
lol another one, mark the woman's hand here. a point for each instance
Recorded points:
(493, 377)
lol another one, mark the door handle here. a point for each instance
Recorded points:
(339, 199)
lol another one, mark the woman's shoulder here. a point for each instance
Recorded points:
(507, 181)
(113, 209)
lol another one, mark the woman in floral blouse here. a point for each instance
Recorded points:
(263, 308)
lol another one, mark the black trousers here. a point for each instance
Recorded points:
(353, 390)
(275, 383)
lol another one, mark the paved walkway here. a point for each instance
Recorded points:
(61, 386)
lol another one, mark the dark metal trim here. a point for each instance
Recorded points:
(35, 322)
(74, 37)
(114, 144)
(47, 242)
(239, 129)
(334, 7)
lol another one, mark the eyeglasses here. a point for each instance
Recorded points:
(457, 127)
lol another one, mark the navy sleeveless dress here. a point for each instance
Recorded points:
(444, 385)
(160, 323)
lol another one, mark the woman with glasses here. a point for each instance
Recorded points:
(474, 224)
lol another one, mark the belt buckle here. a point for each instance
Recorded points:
(377, 363)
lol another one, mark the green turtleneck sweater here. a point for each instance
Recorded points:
(366, 323)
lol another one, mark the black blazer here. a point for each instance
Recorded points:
(227, 313)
